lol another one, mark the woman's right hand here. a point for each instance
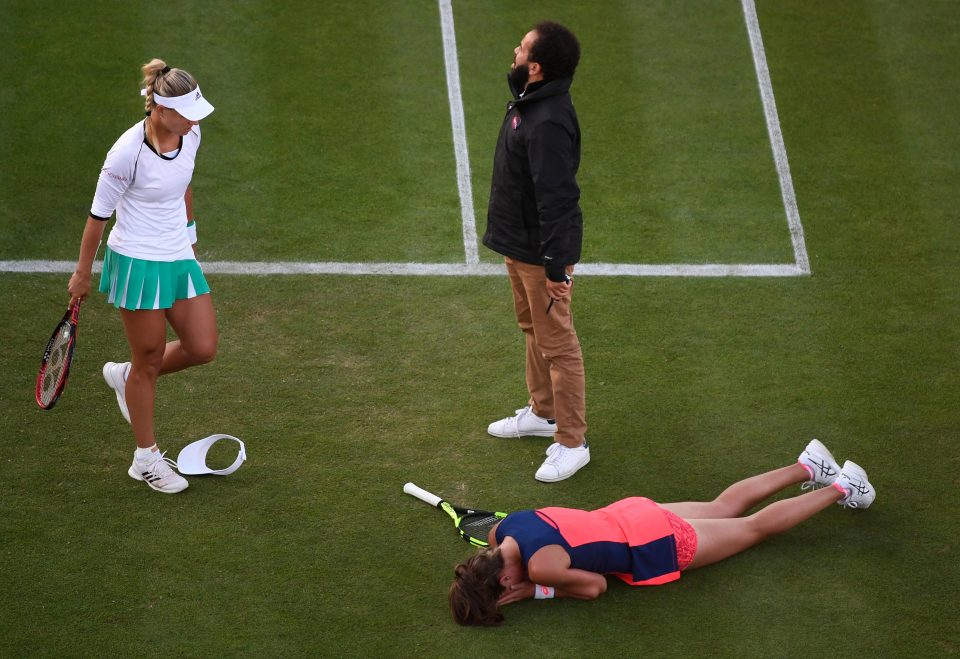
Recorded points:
(516, 593)
(79, 286)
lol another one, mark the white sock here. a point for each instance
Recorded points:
(144, 455)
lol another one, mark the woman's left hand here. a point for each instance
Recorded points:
(516, 592)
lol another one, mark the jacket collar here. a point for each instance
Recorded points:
(540, 89)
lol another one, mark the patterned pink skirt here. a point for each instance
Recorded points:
(685, 537)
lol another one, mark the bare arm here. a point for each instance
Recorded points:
(79, 285)
(492, 536)
(188, 201)
(550, 566)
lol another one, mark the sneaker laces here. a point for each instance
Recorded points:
(853, 487)
(522, 412)
(847, 501)
(556, 451)
(810, 485)
(162, 466)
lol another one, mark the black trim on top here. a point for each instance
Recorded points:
(150, 146)
(97, 217)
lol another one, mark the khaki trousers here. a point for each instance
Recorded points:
(554, 368)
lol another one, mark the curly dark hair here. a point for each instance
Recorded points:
(556, 50)
(476, 588)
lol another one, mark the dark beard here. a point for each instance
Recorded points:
(519, 76)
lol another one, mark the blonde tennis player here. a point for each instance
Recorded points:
(150, 270)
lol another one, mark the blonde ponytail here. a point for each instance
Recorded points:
(168, 82)
(152, 71)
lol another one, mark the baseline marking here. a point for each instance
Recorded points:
(444, 269)
(473, 267)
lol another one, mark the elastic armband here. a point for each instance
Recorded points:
(192, 231)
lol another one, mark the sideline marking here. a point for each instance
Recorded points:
(444, 269)
(458, 124)
(776, 138)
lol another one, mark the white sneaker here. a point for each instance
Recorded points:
(562, 462)
(116, 377)
(853, 479)
(818, 458)
(524, 424)
(158, 474)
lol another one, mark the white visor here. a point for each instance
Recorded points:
(192, 105)
(193, 457)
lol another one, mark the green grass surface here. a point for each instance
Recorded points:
(331, 141)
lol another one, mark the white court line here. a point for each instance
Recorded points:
(444, 269)
(473, 267)
(458, 123)
(776, 138)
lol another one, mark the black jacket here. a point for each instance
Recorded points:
(534, 213)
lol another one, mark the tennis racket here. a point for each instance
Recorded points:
(55, 366)
(473, 525)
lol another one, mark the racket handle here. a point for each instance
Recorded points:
(422, 494)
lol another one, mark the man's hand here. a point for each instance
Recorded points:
(560, 290)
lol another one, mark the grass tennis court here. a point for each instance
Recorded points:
(332, 142)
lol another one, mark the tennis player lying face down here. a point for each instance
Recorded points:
(565, 552)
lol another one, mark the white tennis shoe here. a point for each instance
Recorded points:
(158, 474)
(820, 461)
(116, 377)
(562, 462)
(523, 424)
(853, 479)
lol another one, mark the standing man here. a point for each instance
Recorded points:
(534, 220)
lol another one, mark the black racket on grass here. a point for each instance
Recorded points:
(55, 366)
(473, 525)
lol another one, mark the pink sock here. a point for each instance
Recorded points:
(809, 470)
(841, 489)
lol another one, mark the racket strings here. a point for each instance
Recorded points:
(56, 365)
(479, 524)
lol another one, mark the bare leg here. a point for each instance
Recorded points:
(718, 539)
(195, 324)
(741, 496)
(146, 331)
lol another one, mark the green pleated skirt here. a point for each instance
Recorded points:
(140, 284)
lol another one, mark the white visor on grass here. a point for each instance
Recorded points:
(193, 457)
(192, 105)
